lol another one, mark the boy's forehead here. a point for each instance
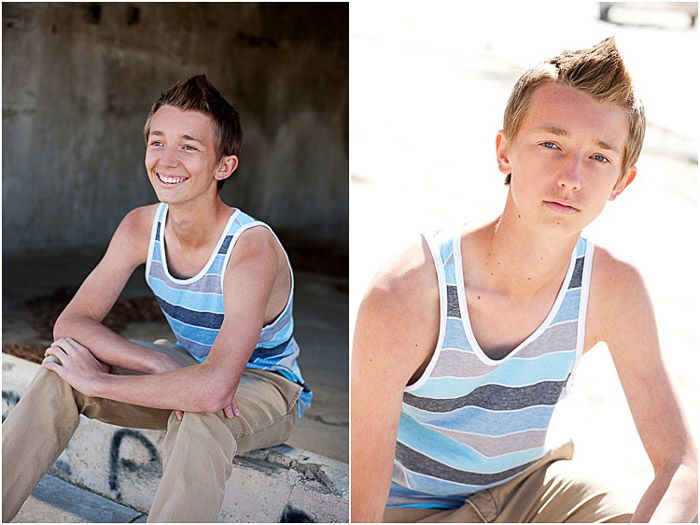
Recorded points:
(170, 119)
(567, 110)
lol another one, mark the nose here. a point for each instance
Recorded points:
(167, 157)
(569, 175)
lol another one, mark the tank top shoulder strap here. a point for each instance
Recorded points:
(156, 236)
(442, 244)
(241, 223)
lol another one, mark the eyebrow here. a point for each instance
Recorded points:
(561, 132)
(186, 137)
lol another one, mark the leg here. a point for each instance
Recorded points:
(199, 450)
(39, 428)
(558, 494)
(409, 515)
(34, 434)
(554, 492)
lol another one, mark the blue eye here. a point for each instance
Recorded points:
(600, 158)
(550, 145)
(156, 143)
(189, 148)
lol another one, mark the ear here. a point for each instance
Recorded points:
(227, 166)
(502, 153)
(622, 182)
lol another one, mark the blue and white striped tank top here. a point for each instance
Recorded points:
(194, 307)
(471, 422)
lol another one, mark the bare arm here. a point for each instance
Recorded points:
(630, 332)
(82, 318)
(395, 334)
(211, 385)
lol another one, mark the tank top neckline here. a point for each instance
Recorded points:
(212, 257)
(466, 321)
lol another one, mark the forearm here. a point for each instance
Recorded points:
(106, 345)
(672, 497)
(198, 388)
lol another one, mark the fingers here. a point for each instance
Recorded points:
(50, 358)
(57, 352)
(232, 409)
(52, 363)
(68, 344)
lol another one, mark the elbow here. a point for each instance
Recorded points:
(217, 394)
(211, 403)
(214, 402)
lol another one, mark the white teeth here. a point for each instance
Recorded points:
(171, 180)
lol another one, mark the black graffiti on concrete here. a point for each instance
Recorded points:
(63, 469)
(117, 463)
(292, 515)
(9, 398)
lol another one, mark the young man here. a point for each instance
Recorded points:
(224, 283)
(470, 338)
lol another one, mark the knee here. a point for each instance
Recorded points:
(593, 497)
(46, 381)
(200, 427)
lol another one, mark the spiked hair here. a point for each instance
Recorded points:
(598, 71)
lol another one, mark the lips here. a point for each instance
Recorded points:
(170, 180)
(561, 207)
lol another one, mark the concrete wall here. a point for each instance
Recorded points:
(79, 79)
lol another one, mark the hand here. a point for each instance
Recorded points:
(75, 364)
(231, 410)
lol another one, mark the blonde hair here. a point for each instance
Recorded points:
(598, 71)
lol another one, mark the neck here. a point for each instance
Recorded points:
(193, 224)
(520, 259)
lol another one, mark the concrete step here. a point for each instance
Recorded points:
(57, 501)
(279, 484)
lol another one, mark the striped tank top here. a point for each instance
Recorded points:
(194, 307)
(471, 422)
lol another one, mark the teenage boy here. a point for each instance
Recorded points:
(469, 338)
(231, 382)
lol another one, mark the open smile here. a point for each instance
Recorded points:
(170, 181)
(561, 207)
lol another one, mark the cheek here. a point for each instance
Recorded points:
(149, 160)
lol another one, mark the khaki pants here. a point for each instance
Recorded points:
(550, 491)
(198, 451)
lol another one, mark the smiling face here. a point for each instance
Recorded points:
(566, 159)
(181, 156)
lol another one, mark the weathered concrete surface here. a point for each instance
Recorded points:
(125, 465)
(57, 501)
(79, 79)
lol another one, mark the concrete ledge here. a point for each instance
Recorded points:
(280, 484)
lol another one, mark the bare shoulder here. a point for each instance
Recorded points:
(258, 241)
(618, 299)
(131, 239)
(614, 278)
(398, 320)
(138, 222)
(405, 281)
